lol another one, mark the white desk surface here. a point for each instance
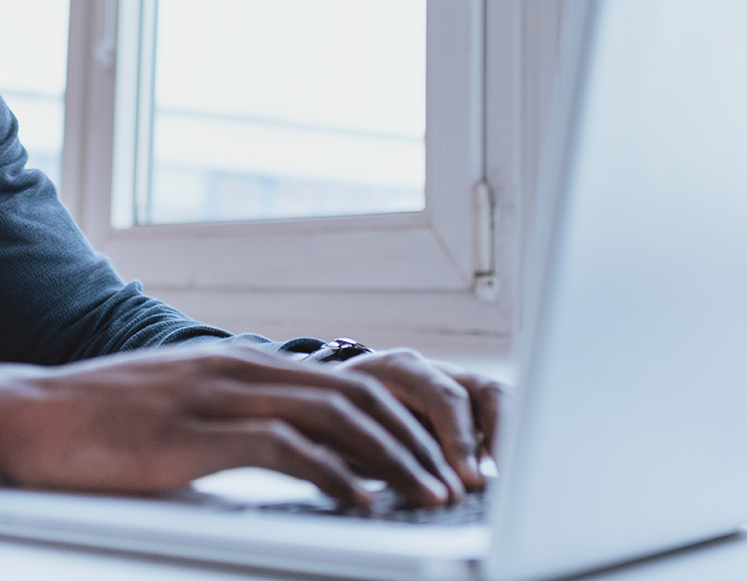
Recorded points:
(720, 561)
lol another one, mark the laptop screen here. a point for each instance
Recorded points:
(632, 433)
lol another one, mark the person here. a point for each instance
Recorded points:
(103, 388)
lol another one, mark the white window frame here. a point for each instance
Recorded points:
(444, 279)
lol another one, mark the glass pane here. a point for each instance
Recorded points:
(33, 69)
(287, 108)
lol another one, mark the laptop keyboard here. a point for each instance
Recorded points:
(387, 506)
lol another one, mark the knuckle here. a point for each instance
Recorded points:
(492, 390)
(454, 394)
(333, 406)
(370, 395)
(323, 455)
(211, 363)
(490, 394)
(278, 432)
(272, 443)
(463, 446)
(339, 405)
(401, 356)
(227, 361)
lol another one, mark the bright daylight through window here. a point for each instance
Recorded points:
(284, 109)
(33, 66)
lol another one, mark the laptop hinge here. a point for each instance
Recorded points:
(485, 282)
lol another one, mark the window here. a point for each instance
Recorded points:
(259, 110)
(437, 275)
(33, 42)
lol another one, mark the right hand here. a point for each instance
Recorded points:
(154, 420)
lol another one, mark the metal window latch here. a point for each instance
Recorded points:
(106, 48)
(486, 283)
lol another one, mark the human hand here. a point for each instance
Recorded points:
(154, 420)
(460, 408)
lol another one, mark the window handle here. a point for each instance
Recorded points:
(485, 280)
(106, 48)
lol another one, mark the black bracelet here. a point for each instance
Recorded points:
(340, 349)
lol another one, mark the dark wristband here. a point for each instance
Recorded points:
(340, 349)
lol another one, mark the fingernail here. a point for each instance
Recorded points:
(472, 476)
(362, 498)
(438, 491)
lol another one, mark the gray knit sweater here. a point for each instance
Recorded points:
(60, 300)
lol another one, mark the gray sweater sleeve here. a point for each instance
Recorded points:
(60, 300)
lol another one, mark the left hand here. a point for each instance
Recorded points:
(461, 408)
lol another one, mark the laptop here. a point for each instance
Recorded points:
(627, 435)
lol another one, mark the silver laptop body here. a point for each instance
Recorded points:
(628, 433)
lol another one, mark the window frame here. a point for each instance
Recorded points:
(387, 279)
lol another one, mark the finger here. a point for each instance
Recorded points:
(430, 392)
(275, 445)
(363, 390)
(377, 401)
(330, 418)
(486, 395)
(450, 414)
